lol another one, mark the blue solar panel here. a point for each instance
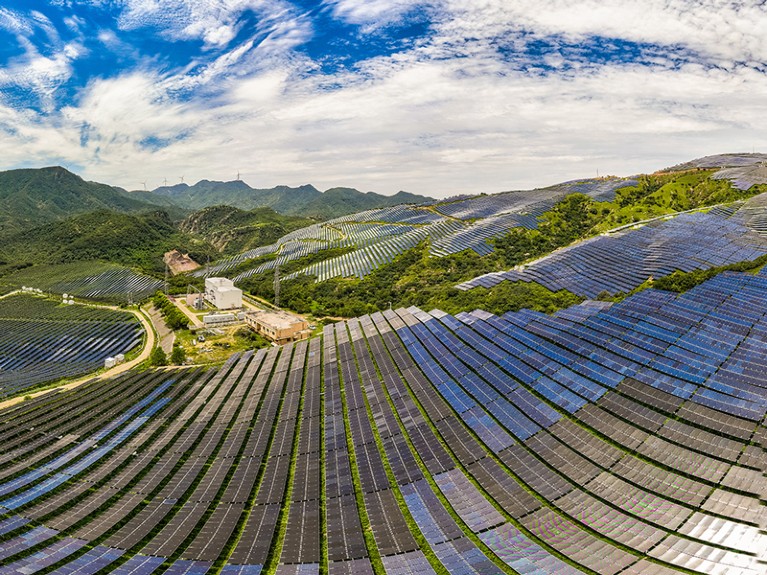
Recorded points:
(139, 565)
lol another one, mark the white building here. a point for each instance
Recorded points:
(222, 294)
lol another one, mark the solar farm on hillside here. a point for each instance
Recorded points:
(607, 439)
(620, 437)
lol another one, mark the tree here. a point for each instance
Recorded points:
(158, 357)
(178, 355)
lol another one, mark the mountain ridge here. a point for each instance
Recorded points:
(30, 197)
(305, 200)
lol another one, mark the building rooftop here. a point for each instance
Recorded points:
(219, 282)
(277, 319)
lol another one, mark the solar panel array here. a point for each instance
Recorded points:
(531, 200)
(378, 236)
(743, 170)
(120, 284)
(723, 161)
(43, 341)
(610, 439)
(744, 177)
(622, 261)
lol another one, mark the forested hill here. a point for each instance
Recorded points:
(31, 197)
(306, 201)
(137, 240)
(231, 230)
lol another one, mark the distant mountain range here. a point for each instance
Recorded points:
(50, 215)
(32, 197)
(305, 201)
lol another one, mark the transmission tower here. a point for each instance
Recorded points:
(276, 284)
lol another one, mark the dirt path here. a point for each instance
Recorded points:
(118, 369)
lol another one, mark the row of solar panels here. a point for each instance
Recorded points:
(43, 341)
(119, 284)
(621, 262)
(412, 442)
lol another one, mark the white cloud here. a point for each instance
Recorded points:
(373, 12)
(727, 32)
(425, 128)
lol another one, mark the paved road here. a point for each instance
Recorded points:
(181, 305)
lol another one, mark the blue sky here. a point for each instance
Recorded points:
(437, 97)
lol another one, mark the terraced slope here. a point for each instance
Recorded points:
(622, 261)
(623, 439)
(376, 237)
(744, 170)
(91, 280)
(44, 341)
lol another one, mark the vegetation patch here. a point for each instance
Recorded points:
(174, 317)
(680, 282)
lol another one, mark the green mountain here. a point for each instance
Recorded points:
(232, 230)
(305, 200)
(343, 201)
(31, 197)
(138, 240)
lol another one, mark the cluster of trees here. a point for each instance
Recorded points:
(414, 278)
(682, 281)
(569, 220)
(159, 358)
(173, 316)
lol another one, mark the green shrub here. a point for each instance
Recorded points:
(178, 356)
(158, 358)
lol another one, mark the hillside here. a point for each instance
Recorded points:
(415, 442)
(335, 201)
(231, 230)
(129, 239)
(31, 197)
(306, 201)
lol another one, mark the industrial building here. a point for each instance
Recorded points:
(221, 293)
(278, 326)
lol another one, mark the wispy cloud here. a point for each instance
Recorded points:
(375, 13)
(40, 67)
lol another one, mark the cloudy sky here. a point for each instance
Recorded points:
(436, 96)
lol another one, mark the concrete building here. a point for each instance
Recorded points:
(222, 294)
(277, 326)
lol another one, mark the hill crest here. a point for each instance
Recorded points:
(305, 200)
